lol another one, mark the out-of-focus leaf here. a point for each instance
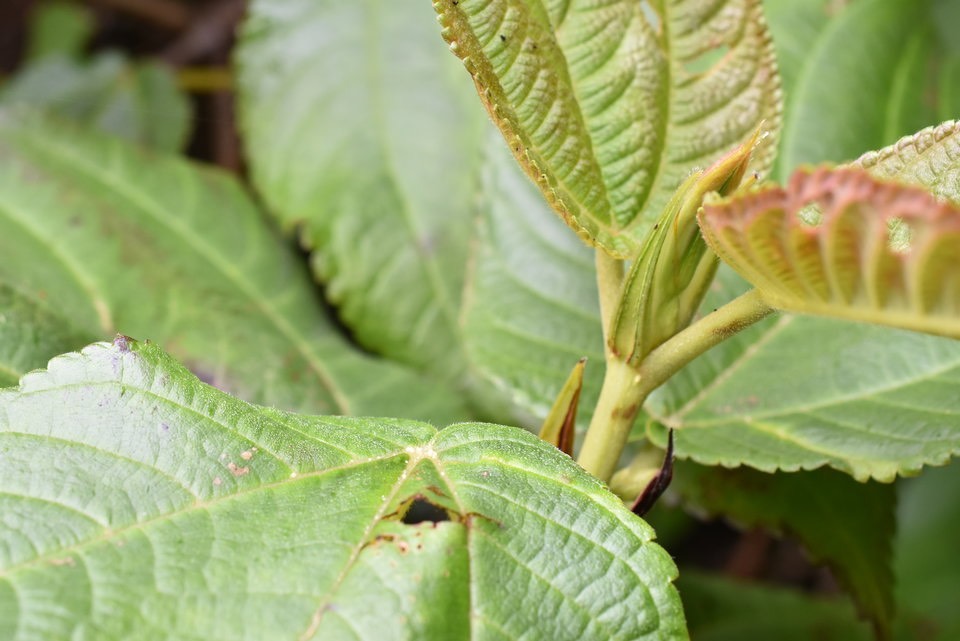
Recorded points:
(847, 525)
(867, 76)
(826, 245)
(139, 102)
(138, 502)
(31, 333)
(608, 107)
(120, 240)
(927, 564)
(721, 609)
(361, 130)
(58, 28)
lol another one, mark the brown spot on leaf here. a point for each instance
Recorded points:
(236, 470)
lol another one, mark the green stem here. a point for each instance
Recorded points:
(625, 388)
(609, 286)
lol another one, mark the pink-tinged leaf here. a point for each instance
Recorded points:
(842, 243)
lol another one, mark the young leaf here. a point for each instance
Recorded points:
(366, 137)
(929, 158)
(138, 501)
(153, 246)
(609, 107)
(559, 427)
(869, 400)
(837, 242)
(847, 525)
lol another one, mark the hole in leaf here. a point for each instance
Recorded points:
(810, 214)
(422, 510)
(899, 235)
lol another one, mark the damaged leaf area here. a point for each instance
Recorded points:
(609, 106)
(138, 501)
(841, 243)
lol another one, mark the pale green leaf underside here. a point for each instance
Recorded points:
(363, 131)
(849, 263)
(844, 524)
(139, 503)
(155, 247)
(800, 392)
(607, 111)
(139, 102)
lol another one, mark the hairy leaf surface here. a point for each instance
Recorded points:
(139, 502)
(156, 247)
(362, 132)
(609, 106)
(840, 243)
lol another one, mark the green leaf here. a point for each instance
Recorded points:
(59, 28)
(139, 102)
(362, 133)
(798, 392)
(609, 107)
(725, 610)
(531, 311)
(842, 244)
(119, 240)
(848, 98)
(847, 525)
(139, 502)
(31, 333)
(927, 565)
(928, 158)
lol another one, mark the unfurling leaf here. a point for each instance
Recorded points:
(561, 423)
(610, 106)
(667, 281)
(929, 158)
(841, 243)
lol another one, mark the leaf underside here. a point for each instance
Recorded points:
(608, 107)
(139, 502)
(874, 251)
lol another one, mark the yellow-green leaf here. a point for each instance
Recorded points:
(610, 106)
(843, 244)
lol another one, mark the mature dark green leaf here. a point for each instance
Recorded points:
(608, 107)
(139, 102)
(153, 246)
(927, 565)
(361, 130)
(844, 98)
(139, 503)
(847, 525)
(725, 610)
